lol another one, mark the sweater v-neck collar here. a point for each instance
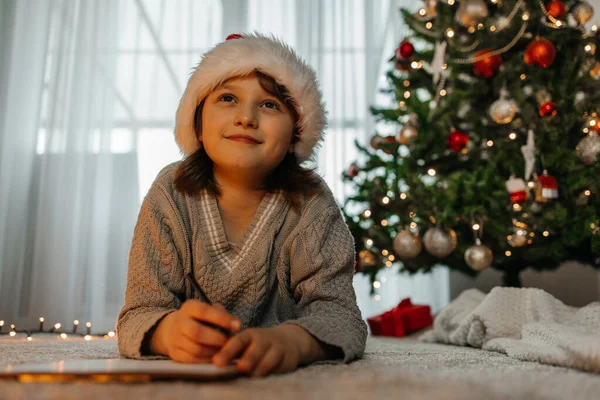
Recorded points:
(218, 247)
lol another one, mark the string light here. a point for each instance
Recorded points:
(449, 33)
(476, 227)
(367, 213)
(490, 143)
(376, 284)
(406, 83)
(523, 76)
(450, 2)
(431, 172)
(377, 297)
(41, 324)
(517, 207)
(88, 337)
(429, 25)
(546, 233)
(89, 326)
(384, 222)
(413, 225)
(63, 335)
(525, 16)
(422, 12)
(384, 252)
(587, 193)
(385, 200)
(512, 136)
(508, 253)
(443, 92)
(388, 264)
(594, 28)
(406, 94)
(403, 196)
(391, 257)
(57, 326)
(369, 242)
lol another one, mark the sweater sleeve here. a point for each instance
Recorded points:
(321, 272)
(154, 277)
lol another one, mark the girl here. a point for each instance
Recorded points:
(261, 236)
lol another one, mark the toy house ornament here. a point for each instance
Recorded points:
(546, 188)
(517, 189)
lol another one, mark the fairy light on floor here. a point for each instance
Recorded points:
(55, 329)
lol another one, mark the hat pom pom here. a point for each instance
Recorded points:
(234, 36)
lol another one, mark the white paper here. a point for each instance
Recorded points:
(119, 366)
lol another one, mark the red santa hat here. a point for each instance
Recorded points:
(241, 55)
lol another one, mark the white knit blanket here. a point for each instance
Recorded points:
(524, 323)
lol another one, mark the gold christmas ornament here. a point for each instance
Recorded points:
(595, 71)
(520, 236)
(470, 12)
(407, 245)
(439, 242)
(365, 259)
(479, 257)
(582, 12)
(406, 134)
(504, 109)
(589, 148)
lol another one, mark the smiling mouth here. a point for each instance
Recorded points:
(243, 139)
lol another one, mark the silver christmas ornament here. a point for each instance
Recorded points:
(407, 245)
(504, 109)
(406, 134)
(478, 257)
(589, 148)
(582, 12)
(439, 242)
(470, 12)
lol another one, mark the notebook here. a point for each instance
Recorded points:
(116, 369)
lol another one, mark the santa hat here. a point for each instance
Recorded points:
(241, 55)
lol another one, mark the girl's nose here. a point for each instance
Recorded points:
(246, 118)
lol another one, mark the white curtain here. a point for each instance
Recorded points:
(86, 123)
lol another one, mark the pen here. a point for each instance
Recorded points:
(203, 298)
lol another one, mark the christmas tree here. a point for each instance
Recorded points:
(495, 161)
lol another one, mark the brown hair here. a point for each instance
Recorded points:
(196, 171)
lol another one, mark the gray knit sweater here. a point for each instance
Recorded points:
(292, 265)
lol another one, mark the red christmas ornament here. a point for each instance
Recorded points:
(457, 140)
(596, 126)
(540, 52)
(405, 50)
(389, 140)
(557, 9)
(548, 109)
(488, 66)
(353, 170)
(403, 66)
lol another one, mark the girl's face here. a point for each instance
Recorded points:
(245, 129)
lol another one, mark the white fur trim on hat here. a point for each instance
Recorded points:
(239, 57)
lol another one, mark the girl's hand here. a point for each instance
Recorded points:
(263, 351)
(183, 337)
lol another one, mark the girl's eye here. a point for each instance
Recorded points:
(271, 104)
(227, 98)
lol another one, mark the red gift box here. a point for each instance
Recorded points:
(403, 319)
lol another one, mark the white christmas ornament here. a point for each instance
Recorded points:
(470, 12)
(588, 148)
(439, 242)
(436, 68)
(478, 257)
(504, 109)
(528, 151)
(407, 245)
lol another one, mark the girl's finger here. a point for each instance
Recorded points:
(232, 348)
(195, 349)
(252, 356)
(181, 355)
(214, 315)
(269, 363)
(202, 334)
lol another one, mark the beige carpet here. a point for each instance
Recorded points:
(392, 368)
